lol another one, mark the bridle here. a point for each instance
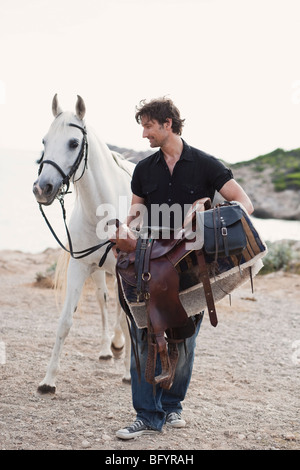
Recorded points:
(83, 155)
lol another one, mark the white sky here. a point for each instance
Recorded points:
(231, 66)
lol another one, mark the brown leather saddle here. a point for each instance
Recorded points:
(152, 270)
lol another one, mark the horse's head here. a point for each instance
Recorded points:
(65, 152)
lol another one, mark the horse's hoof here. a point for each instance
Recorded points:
(117, 352)
(46, 389)
(126, 381)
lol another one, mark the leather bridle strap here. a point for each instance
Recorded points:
(82, 154)
(76, 254)
(66, 178)
(66, 181)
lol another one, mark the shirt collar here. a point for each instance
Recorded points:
(185, 155)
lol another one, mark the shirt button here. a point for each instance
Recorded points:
(169, 200)
(170, 184)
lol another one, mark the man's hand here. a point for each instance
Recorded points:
(198, 206)
(124, 240)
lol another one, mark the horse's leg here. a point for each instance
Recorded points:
(77, 274)
(99, 277)
(121, 337)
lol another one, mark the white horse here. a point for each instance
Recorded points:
(73, 151)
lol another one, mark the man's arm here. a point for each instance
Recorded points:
(136, 202)
(232, 191)
(125, 236)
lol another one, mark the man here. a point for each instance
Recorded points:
(176, 174)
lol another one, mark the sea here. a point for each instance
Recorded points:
(23, 228)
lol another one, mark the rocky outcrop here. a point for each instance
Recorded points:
(268, 203)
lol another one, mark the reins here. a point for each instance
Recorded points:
(83, 154)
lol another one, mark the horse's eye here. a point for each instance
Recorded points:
(73, 144)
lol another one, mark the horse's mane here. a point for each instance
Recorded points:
(62, 122)
(121, 161)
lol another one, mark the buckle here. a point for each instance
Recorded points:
(146, 277)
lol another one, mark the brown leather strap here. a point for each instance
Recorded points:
(207, 288)
(216, 232)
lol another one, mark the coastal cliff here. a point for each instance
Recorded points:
(272, 182)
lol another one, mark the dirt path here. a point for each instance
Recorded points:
(244, 392)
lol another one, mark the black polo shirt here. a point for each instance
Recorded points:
(195, 175)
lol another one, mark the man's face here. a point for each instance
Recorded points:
(155, 132)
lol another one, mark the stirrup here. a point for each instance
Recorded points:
(166, 372)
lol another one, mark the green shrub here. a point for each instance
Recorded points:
(278, 258)
(259, 168)
(284, 166)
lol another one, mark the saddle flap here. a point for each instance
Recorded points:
(162, 247)
(159, 248)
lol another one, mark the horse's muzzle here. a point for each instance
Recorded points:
(44, 194)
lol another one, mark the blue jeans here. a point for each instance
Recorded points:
(152, 408)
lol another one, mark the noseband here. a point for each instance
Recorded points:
(83, 154)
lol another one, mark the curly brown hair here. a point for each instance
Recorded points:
(160, 109)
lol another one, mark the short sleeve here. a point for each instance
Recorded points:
(136, 186)
(219, 173)
(225, 176)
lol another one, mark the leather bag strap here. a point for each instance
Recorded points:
(207, 288)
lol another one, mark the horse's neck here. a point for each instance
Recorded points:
(103, 181)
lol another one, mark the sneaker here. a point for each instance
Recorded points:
(175, 420)
(136, 429)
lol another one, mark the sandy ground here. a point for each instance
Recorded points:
(244, 392)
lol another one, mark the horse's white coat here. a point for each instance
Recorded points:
(106, 179)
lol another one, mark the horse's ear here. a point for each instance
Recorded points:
(56, 109)
(80, 108)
